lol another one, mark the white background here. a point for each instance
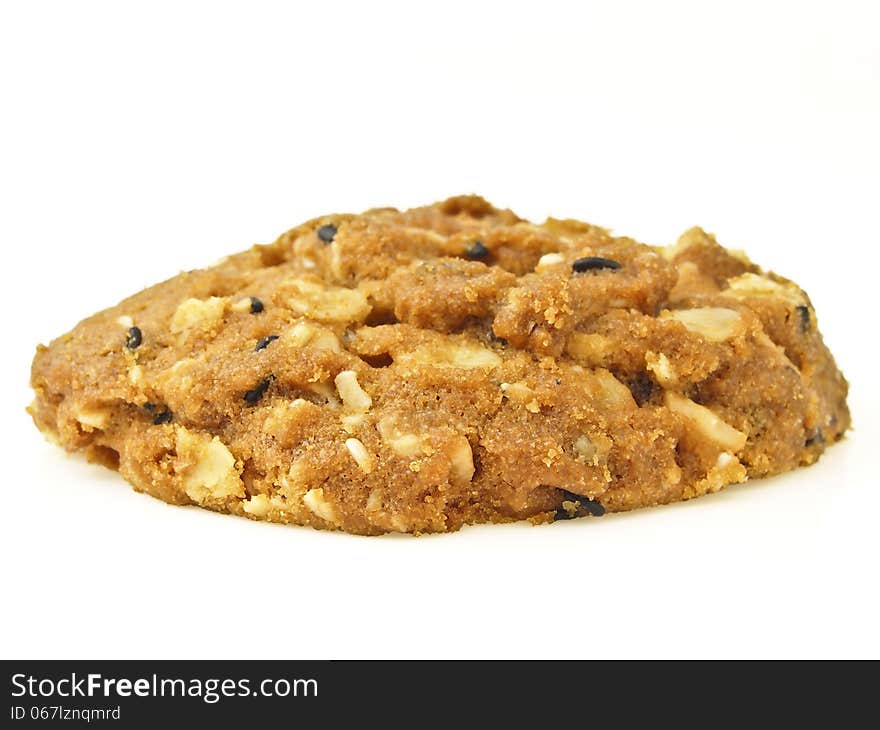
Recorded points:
(138, 141)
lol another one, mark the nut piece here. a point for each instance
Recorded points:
(314, 500)
(589, 349)
(522, 394)
(659, 364)
(468, 357)
(408, 445)
(586, 449)
(716, 324)
(298, 474)
(207, 467)
(258, 505)
(352, 422)
(353, 396)
(306, 333)
(194, 312)
(691, 282)
(706, 423)
(325, 390)
(611, 392)
(287, 413)
(360, 454)
(462, 459)
(594, 449)
(374, 501)
(755, 285)
(327, 304)
(548, 260)
(93, 418)
(242, 305)
(136, 374)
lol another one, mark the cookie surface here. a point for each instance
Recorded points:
(417, 371)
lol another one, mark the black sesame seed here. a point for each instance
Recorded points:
(256, 306)
(265, 342)
(642, 388)
(149, 407)
(592, 263)
(593, 507)
(253, 396)
(327, 233)
(563, 514)
(164, 417)
(804, 313)
(585, 504)
(477, 250)
(134, 338)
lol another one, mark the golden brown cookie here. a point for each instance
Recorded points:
(417, 371)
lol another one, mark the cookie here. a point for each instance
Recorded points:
(417, 371)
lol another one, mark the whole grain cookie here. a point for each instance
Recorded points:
(417, 371)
